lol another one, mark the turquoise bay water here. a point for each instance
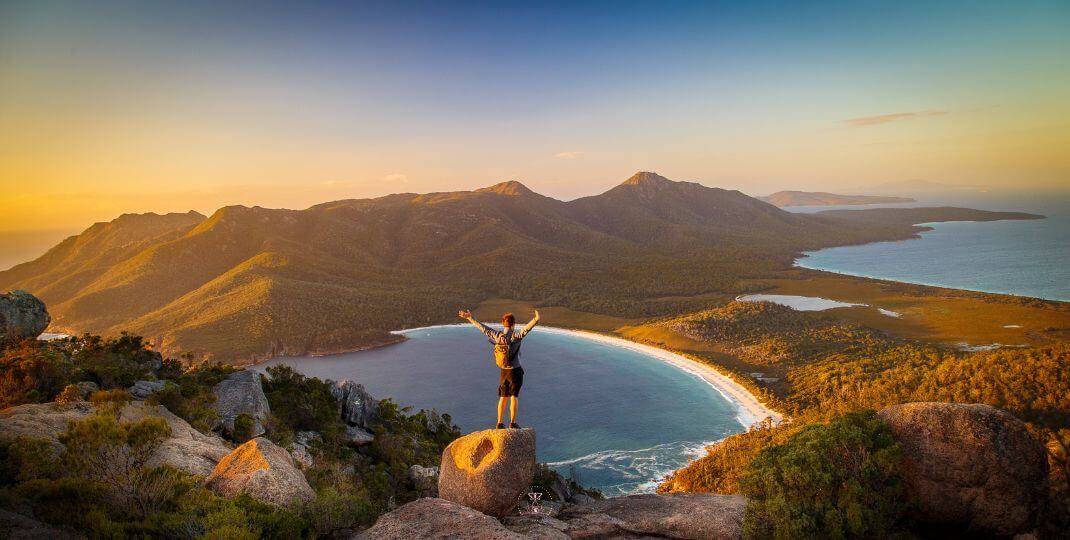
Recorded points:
(1025, 258)
(620, 418)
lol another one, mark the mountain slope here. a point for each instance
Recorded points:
(250, 283)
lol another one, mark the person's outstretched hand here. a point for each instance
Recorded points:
(536, 314)
(465, 314)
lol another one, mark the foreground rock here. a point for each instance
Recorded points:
(971, 466)
(242, 393)
(186, 449)
(488, 470)
(427, 519)
(22, 316)
(676, 515)
(262, 470)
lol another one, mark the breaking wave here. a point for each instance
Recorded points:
(642, 469)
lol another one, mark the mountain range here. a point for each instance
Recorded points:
(249, 283)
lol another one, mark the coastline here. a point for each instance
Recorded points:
(749, 409)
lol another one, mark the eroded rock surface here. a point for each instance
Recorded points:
(242, 393)
(22, 316)
(675, 515)
(186, 449)
(262, 470)
(141, 390)
(488, 470)
(437, 519)
(971, 465)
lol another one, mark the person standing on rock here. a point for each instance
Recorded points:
(507, 356)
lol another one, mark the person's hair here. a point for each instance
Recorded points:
(508, 319)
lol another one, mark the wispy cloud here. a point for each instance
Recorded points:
(569, 155)
(885, 118)
(396, 177)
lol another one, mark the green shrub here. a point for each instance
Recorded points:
(300, 403)
(243, 428)
(110, 401)
(835, 480)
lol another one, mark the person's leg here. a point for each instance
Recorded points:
(514, 402)
(501, 408)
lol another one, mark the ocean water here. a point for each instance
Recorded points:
(1025, 258)
(619, 418)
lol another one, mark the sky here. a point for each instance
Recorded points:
(109, 107)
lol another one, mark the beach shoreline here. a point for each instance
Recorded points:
(750, 410)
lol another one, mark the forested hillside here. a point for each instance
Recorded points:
(249, 283)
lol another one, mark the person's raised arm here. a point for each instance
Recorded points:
(527, 328)
(491, 333)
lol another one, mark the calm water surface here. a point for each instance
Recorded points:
(1026, 258)
(620, 418)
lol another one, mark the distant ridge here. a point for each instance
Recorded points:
(821, 198)
(249, 283)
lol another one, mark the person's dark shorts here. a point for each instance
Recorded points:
(510, 381)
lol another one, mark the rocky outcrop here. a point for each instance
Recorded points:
(242, 393)
(355, 405)
(262, 470)
(537, 526)
(186, 449)
(22, 316)
(141, 390)
(424, 480)
(19, 527)
(429, 518)
(358, 436)
(87, 388)
(676, 515)
(301, 449)
(974, 467)
(488, 470)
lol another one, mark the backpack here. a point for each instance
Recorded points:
(502, 355)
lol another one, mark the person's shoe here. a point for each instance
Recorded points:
(500, 426)
(514, 425)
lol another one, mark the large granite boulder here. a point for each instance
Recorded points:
(262, 470)
(970, 466)
(22, 316)
(186, 449)
(437, 519)
(242, 393)
(355, 405)
(675, 515)
(488, 470)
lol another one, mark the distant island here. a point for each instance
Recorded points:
(821, 198)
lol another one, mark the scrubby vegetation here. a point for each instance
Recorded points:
(829, 368)
(101, 484)
(834, 480)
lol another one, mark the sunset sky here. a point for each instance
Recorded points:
(112, 107)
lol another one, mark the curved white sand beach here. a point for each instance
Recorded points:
(750, 410)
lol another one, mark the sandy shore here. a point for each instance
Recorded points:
(750, 410)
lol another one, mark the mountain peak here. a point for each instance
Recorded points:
(510, 187)
(644, 178)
